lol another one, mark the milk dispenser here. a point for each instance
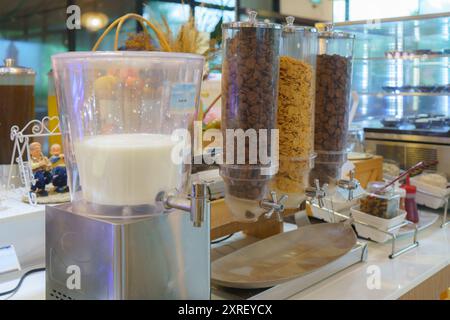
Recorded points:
(137, 227)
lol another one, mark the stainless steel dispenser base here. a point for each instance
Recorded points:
(160, 257)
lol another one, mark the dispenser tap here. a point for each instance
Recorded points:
(252, 15)
(290, 21)
(317, 192)
(274, 205)
(349, 185)
(197, 204)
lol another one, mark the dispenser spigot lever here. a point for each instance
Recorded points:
(274, 205)
(197, 204)
(349, 185)
(317, 192)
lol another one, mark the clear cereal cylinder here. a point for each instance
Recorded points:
(296, 100)
(250, 74)
(332, 110)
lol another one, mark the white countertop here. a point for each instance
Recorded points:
(14, 207)
(33, 288)
(398, 276)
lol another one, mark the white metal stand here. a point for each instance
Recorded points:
(21, 151)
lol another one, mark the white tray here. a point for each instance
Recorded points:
(283, 257)
(379, 223)
(338, 206)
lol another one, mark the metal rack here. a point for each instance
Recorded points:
(390, 232)
(445, 221)
(446, 199)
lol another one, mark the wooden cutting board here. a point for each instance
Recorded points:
(283, 257)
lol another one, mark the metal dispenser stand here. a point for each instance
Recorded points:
(164, 256)
(320, 192)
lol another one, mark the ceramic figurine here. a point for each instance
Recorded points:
(41, 167)
(59, 171)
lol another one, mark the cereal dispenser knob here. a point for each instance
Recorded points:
(317, 192)
(290, 21)
(329, 27)
(349, 185)
(10, 62)
(274, 205)
(252, 16)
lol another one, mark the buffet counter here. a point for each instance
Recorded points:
(398, 277)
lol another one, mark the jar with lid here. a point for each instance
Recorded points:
(16, 103)
(295, 119)
(250, 74)
(332, 109)
(380, 202)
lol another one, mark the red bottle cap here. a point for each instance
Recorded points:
(408, 187)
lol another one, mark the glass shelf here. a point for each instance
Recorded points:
(410, 58)
(408, 34)
(397, 85)
(406, 27)
(404, 94)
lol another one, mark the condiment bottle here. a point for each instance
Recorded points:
(410, 202)
(383, 204)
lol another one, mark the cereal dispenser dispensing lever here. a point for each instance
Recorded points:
(274, 205)
(317, 192)
(350, 185)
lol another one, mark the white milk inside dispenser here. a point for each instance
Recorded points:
(124, 114)
(126, 169)
(125, 119)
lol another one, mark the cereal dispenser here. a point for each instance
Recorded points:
(333, 85)
(131, 231)
(250, 74)
(296, 101)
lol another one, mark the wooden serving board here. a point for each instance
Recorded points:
(283, 257)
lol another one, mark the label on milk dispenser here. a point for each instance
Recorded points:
(182, 97)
